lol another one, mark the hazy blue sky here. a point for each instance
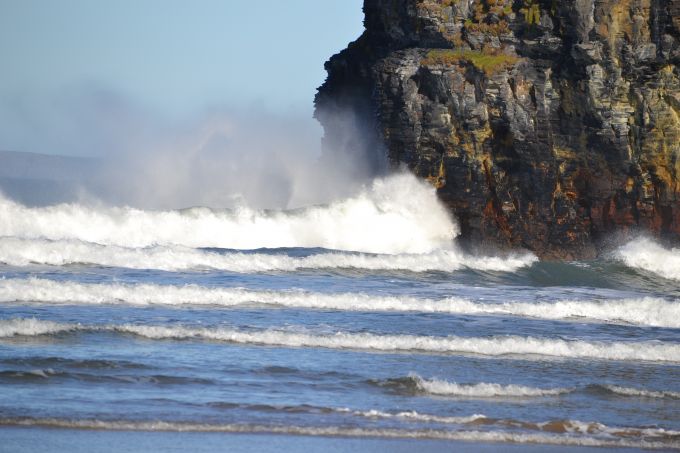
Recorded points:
(78, 72)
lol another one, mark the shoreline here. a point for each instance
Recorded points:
(19, 439)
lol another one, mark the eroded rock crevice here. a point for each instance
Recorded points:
(545, 125)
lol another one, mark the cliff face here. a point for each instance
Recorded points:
(544, 124)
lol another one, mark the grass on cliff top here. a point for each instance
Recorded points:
(488, 63)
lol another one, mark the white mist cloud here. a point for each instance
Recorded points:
(220, 157)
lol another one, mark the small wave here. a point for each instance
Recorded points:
(31, 327)
(23, 252)
(377, 220)
(645, 254)
(479, 390)
(49, 375)
(414, 384)
(493, 346)
(569, 432)
(512, 346)
(410, 416)
(553, 426)
(413, 416)
(48, 362)
(628, 391)
(27, 375)
(644, 312)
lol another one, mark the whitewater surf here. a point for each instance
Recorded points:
(361, 318)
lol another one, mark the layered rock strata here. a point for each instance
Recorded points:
(547, 125)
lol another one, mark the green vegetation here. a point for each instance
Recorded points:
(486, 62)
(497, 29)
(436, 6)
(483, 11)
(532, 12)
(484, 8)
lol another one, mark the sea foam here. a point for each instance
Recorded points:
(488, 346)
(23, 252)
(499, 346)
(645, 254)
(480, 390)
(386, 217)
(642, 393)
(30, 327)
(644, 311)
(573, 433)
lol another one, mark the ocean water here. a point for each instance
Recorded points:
(357, 320)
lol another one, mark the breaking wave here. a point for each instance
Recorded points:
(414, 384)
(480, 390)
(386, 217)
(22, 252)
(30, 327)
(499, 346)
(645, 254)
(413, 416)
(628, 391)
(645, 311)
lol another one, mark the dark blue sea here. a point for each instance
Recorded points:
(358, 321)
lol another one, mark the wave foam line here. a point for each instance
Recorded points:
(23, 252)
(645, 254)
(413, 416)
(31, 327)
(481, 390)
(553, 426)
(628, 391)
(337, 431)
(386, 217)
(645, 312)
(413, 383)
(513, 346)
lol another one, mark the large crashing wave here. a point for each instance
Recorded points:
(398, 214)
(645, 254)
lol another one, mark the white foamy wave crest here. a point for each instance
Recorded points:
(22, 252)
(646, 311)
(571, 427)
(480, 390)
(494, 346)
(628, 391)
(618, 438)
(487, 346)
(30, 327)
(645, 254)
(414, 416)
(385, 218)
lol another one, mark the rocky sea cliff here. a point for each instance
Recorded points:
(546, 125)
